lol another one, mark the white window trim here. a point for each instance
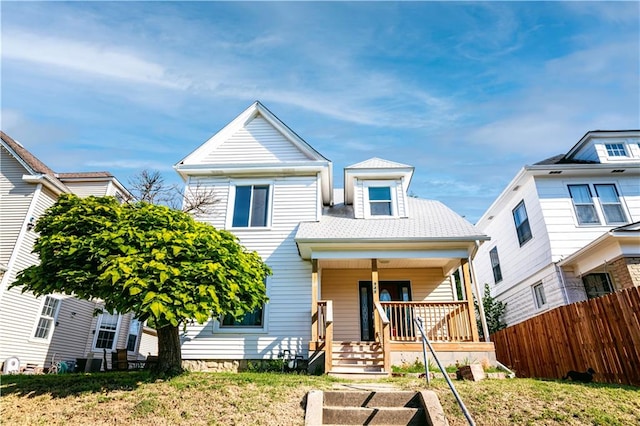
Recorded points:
(392, 185)
(218, 328)
(539, 306)
(597, 204)
(232, 201)
(625, 147)
(138, 336)
(97, 331)
(54, 323)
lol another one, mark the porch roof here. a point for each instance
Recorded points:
(430, 222)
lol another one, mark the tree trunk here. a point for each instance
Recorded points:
(169, 352)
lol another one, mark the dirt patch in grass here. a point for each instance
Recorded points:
(138, 398)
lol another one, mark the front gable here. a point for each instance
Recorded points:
(257, 143)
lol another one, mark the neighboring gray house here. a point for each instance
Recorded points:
(567, 228)
(344, 261)
(37, 330)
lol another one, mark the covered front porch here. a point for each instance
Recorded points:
(363, 309)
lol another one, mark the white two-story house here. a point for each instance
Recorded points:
(34, 331)
(567, 228)
(352, 268)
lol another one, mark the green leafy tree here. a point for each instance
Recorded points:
(494, 311)
(153, 261)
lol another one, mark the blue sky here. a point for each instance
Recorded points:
(466, 92)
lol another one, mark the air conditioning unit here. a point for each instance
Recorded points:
(11, 365)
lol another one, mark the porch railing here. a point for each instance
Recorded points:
(442, 321)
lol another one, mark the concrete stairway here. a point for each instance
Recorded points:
(357, 360)
(373, 408)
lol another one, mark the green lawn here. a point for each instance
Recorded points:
(278, 399)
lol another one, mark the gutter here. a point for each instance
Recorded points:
(47, 181)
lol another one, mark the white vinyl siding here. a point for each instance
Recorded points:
(257, 142)
(85, 189)
(287, 314)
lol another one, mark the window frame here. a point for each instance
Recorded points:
(97, 330)
(220, 328)
(53, 319)
(616, 150)
(231, 205)
(523, 238)
(393, 198)
(136, 344)
(618, 203)
(592, 205)
(598, 205)
(539, 293)
(494, 258)
(608, 281)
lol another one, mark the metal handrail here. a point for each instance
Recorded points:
(466, 413)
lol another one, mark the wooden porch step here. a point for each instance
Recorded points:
(351, 359)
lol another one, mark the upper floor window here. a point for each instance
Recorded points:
(522, 223)
(597, 284)
(495, 265)
(616, 150)
(610, 202)
(47, 319)
(583, 204)
(107, 331)
(380, 201)
(586, 209)
(540, 297)
(251, 207)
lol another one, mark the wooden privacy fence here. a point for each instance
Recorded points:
(601, 333)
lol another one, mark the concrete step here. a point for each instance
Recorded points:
(372, 399)
(373, 416)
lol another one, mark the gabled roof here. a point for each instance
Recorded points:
(41, 173)
(430, 222)
(597, 134)
(378, 163)
(36, 168)
(202, 160)
(374, 168)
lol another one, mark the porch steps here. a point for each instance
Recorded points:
(357, 360)
(373, 408)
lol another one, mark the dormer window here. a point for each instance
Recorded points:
(380, 202)
(616, 150)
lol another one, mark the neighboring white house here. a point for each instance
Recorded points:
(566, 229)
(37, 330)
(343, 261)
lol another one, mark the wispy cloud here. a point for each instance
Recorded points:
(87, 58)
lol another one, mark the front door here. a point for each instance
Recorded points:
(389, 291)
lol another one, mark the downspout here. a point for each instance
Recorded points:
(483, 319)
(562, 283)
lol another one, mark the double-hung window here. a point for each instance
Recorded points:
(521, 221)
(495, 265)
(134, 333)
(47, 319)
(583, 204)
(616, 150)
(380, 202)
(107, 331)
(251, 206)
(538, 294)
(610, 202)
